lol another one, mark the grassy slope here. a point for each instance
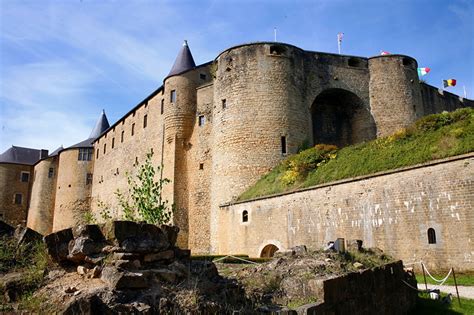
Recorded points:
(432, 137)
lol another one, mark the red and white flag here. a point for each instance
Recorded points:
(383, 53)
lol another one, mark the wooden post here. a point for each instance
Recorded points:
(456, 285)
(424, 276)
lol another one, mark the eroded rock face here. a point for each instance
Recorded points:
(83, 246)
(119, 279)
(57, 244)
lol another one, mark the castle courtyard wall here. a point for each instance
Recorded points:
(436, 100)
(10, 185)
(391, 210)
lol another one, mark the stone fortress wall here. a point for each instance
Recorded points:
(43, 194)
(218, 127)
(10, 185)
(392, 210)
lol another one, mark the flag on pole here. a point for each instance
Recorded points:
(450, 82)
(423, 71)
(383, 53)
(339, 37)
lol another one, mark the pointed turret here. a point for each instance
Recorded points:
(184, 61)
(101, 125)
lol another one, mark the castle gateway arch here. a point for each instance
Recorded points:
(341, 118)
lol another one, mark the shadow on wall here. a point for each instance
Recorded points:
(340, 117)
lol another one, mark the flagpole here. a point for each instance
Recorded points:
(338, 45)
(465, 93)
(275, 33)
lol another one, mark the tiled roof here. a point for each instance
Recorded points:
(20, 155)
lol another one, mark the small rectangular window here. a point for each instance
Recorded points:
(133, 129)
(202, 76)
(121, 136)
(89, 179)
(50, 172)
(85, 154)
(283, 145)
(105, 148)
(90, 151)
(201, 120)
(133, 114)
(145, 121)
(18, 199)
(162, 106)
(97, 154)
(25, 177)
(224, 103)
(146, 104)
(201, 166)
(173, 96)
(113, 143)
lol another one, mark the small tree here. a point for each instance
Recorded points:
(144, 200)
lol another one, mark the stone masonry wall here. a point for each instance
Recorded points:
(392, 211)
(72, 192)
(436, 101)
(10, 185)
(43, 193)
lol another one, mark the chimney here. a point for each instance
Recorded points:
(43, 154)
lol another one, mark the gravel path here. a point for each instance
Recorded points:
(464, 291)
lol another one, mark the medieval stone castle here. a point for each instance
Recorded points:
(219, 126)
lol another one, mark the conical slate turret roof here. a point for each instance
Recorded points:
(184, 61)
(101, 126)
(56, 152)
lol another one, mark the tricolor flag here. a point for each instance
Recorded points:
(339, 37)
(383, 53)
(423, 71)
(450, 82)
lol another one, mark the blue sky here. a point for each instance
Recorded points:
(62, 62)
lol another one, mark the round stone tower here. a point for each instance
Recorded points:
(259, 117)
(395, 93)
(74, 179)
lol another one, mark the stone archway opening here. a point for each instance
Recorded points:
(268, 251)
(340, 117)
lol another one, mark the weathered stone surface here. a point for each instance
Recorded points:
(299, 250)
(125, 256)
(120, 280)
(144, 245)
(6, 229)
(95, 259)
(165, 255)
(354, 245)
(91, 231)
(121, 230)
(57, 244)
(25, 235)
(165, 275)
(182, 253)
(96, 272)
(11, 285)
(81, 247)
(171, 233)
(127, 264)
(82, 270)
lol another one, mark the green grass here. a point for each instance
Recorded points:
(431, 307)
(430, 138)
(461, 279)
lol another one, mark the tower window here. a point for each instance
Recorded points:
(224, 104)
(162, 110)
(121, 136)
(283, 145)
(50, 172)
(105, 148)
(173, 96)
(25, 177)
(145, 121)
(146, 104)
(85, 154)
(133, 129)
(201, 166)
(202, 76)
(201, 120)
(245, 216)
(113, 143)
(18, 199)
(431, 236)
(97, 154)
(89, 179)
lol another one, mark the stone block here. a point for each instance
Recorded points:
(144, 245)
(81, 247)
(165, 255)
(126, 256)
(171, 233)
(121, 230)
(317, 308)
(119, 280)
(127, 264)
(25, 235)
(57, 244)
(182, 253)
(91, 231)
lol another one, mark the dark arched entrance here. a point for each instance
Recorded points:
(268, 251)
(339, 117)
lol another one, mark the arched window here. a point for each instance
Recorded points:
(431, 236)
(245, 216)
